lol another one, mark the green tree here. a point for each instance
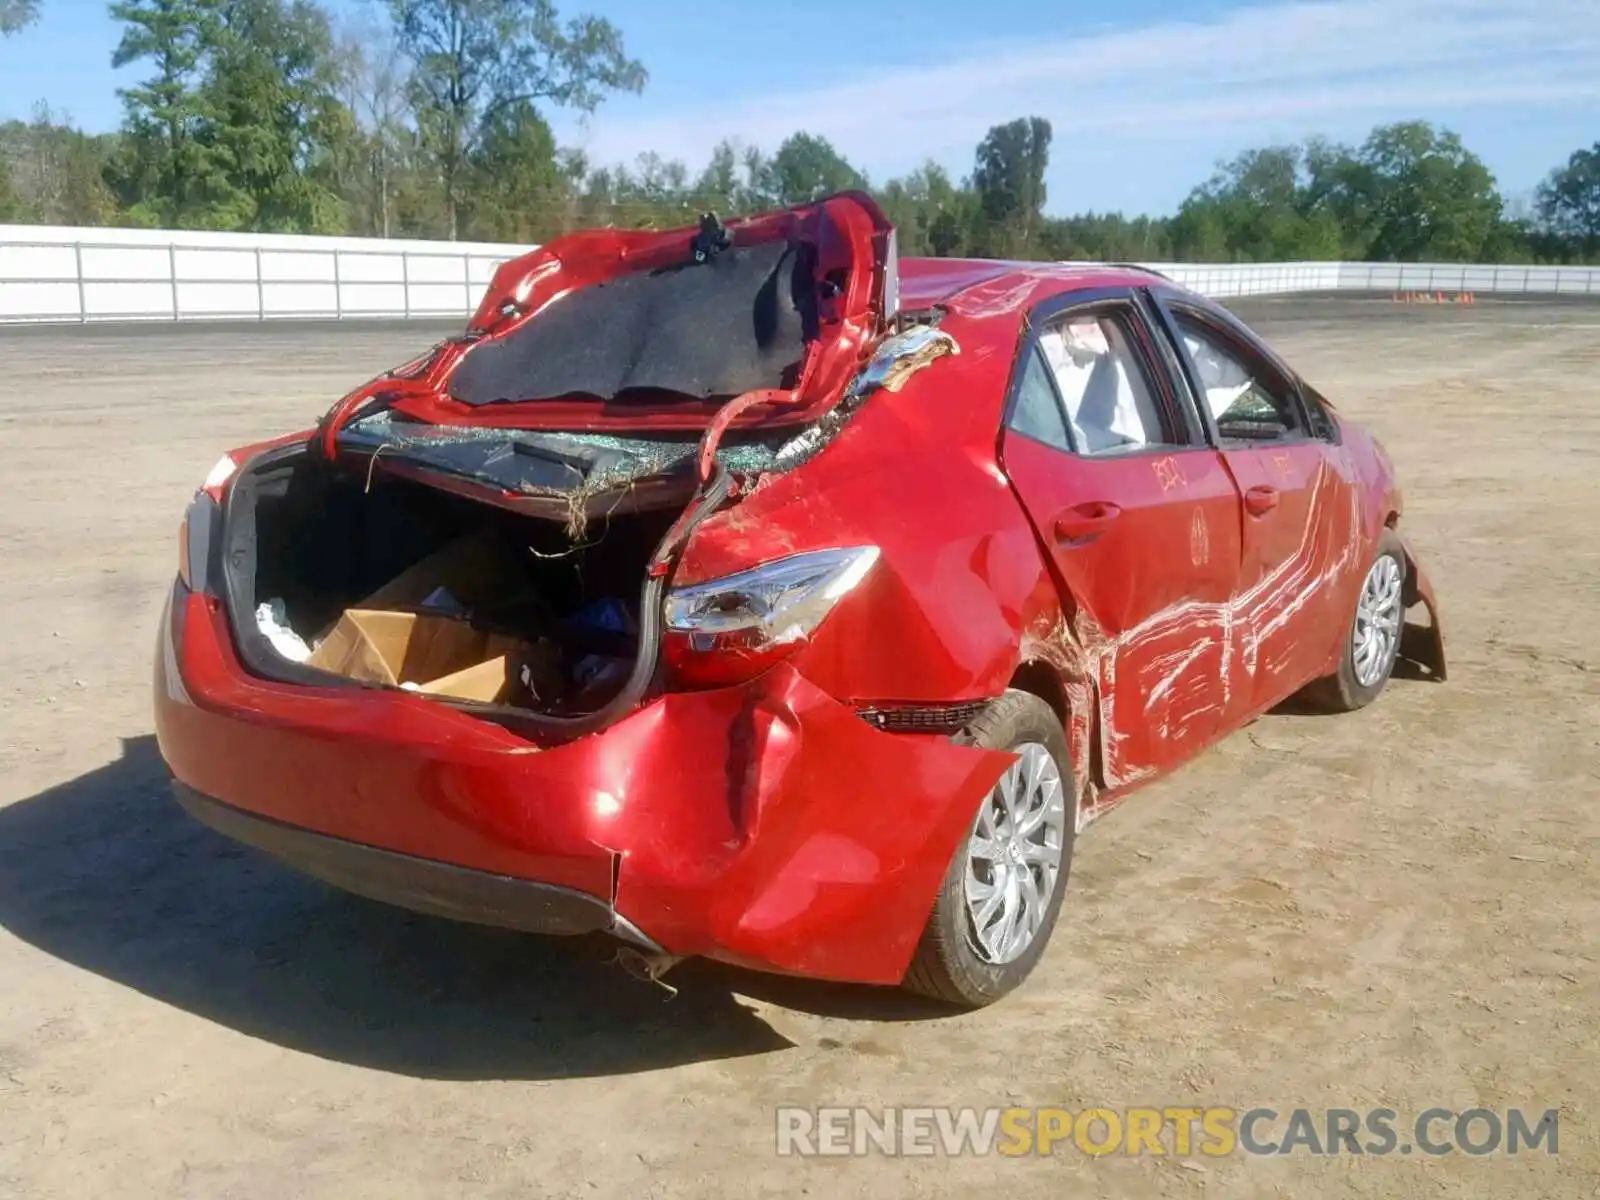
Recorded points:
(730, 181)
(56, 171)
(10, 207)
(1568, 202)
(274, 118)
(518, 187)
(1199, 233)
(372, 161)
(1009, 179)
(470, 57)
(805, 167)
(1415, 194)
(165, 171)
(930, 212)
(654, 183)
(17, 14)
(1104, 237)
(1258, 207)
(1339, 189)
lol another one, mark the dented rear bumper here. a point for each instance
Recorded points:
(420, 884)
(765, 825)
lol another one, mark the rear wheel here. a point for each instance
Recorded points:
(1002, 890)
(1372, 642)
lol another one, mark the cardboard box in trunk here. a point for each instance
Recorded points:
(439, 655)
(476, 568)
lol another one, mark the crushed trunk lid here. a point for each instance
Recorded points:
(609, 329)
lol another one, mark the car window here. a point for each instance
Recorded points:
(1038, 412)
(1111, 405)
(1247, 401)
(1322, 423)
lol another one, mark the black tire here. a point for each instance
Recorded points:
(947, 965)
(1342, 691)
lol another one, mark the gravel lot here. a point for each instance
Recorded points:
(1395, 908)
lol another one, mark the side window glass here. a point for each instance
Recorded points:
(1322, 423)
(1111, 405)
(1247, 404)
(1038, 412)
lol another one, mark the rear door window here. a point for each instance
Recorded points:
(1112, 404)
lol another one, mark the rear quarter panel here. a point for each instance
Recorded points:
(960, 578)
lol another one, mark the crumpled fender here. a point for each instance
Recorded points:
(823, 848)
(1420, 644)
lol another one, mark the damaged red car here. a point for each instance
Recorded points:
(746, 591)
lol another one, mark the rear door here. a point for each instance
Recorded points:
(1141, 520)
(1300, 515)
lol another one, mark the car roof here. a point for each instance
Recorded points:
(928, 281)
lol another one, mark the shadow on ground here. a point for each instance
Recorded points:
(107, 873)
(1407, 670)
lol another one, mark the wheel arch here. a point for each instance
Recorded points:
(1055, 668)
(1042, 679)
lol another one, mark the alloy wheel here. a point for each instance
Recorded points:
(1014, 856)
(1378, 614)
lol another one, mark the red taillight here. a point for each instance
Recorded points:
(696, 661)
(731, 629)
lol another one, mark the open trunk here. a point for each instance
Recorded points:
(489, 523)
(342, 573)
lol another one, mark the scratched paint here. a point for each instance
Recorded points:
(1199, 538)
(1237, 628)
(1050, 640)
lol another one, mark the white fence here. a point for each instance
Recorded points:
(1255, 279)
(58, 274)
(50, 273)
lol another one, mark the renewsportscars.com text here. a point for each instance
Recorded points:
(1182, 1131)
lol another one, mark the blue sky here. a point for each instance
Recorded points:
(1144, 95)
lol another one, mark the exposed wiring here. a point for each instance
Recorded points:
(372, 464)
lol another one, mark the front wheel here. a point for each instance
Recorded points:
(1373, 641)
(1002, 890)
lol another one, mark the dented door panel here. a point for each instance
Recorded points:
(1149, 596)
(1300, 561)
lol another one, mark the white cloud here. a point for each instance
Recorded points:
(1257, 71)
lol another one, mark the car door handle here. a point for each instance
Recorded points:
(1085, 522)
(1260, 500)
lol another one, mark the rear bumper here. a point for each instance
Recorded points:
(419, 884)
(765, 825)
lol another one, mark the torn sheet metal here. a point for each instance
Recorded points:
(895, 361)
(901, 356)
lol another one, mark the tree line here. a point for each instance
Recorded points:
(429, 120)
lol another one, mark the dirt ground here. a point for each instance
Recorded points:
(1394, 908)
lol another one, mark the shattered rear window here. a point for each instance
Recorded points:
(538, 461)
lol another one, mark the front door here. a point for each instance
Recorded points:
(1301, 517)
(1142, 525)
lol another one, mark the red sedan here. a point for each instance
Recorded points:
(746, 591)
